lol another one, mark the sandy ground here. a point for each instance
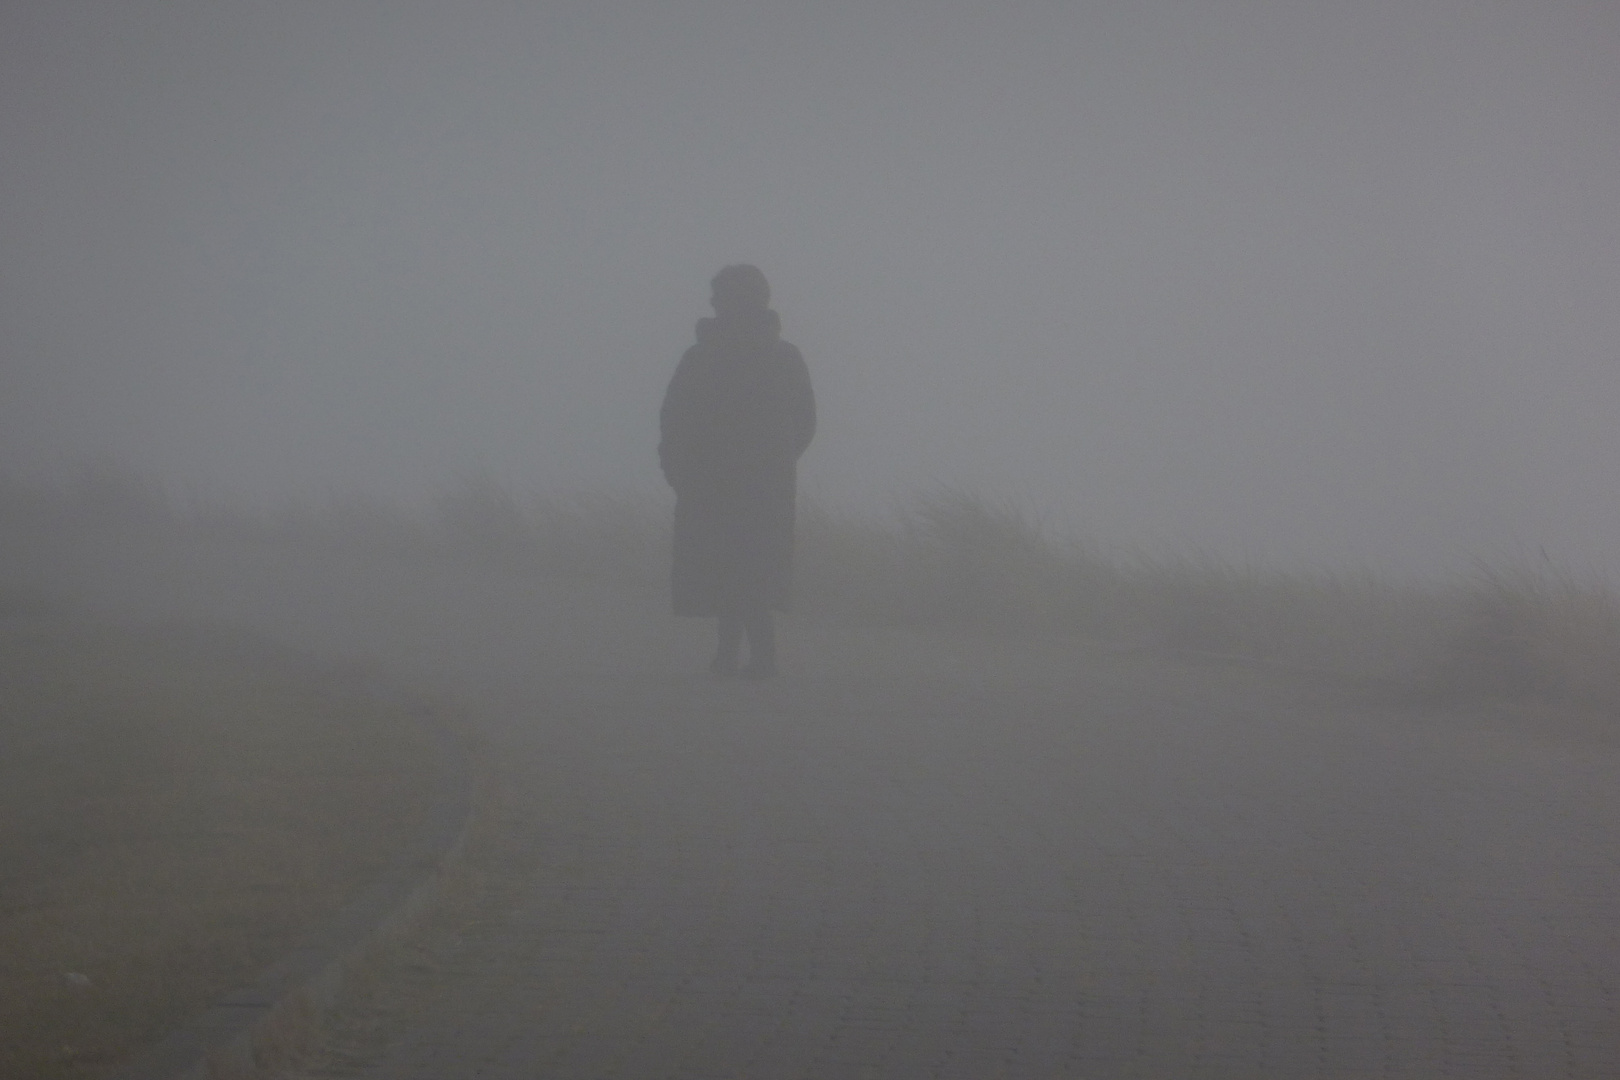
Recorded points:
(928, 855)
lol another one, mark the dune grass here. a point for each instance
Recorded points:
(954, 557)
(174, 816)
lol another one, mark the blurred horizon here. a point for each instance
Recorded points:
(1300, 283)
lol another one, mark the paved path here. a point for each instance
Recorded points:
(1137, 873)
(924, 857)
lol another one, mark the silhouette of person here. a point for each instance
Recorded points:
(737, 415)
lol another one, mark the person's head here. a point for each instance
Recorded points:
(740, 290)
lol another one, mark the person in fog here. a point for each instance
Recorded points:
(737, 415)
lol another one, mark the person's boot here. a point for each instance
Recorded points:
(761, 646)
(730, 634)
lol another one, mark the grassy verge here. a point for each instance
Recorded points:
(173, 817)
(953, 557)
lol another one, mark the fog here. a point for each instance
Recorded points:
(1311, 283)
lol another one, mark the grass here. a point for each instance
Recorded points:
(1539, 632)
(173, 817)
(954, 557)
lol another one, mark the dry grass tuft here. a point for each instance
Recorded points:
(1537, 633)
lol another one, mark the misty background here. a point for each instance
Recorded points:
(1310, 283)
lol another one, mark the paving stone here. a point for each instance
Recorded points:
(1062, 866)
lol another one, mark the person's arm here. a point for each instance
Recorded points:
(804, 404)
(673, 425)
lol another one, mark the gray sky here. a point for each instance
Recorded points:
(1310, 282)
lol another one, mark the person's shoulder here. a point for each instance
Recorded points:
(696, 355)
(786, 350)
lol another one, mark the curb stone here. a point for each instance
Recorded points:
(251, 1029)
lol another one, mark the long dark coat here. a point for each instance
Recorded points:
(736, 417)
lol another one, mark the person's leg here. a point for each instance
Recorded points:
(761, 644)
(730, 642)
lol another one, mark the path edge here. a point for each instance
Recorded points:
(253, 1031)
